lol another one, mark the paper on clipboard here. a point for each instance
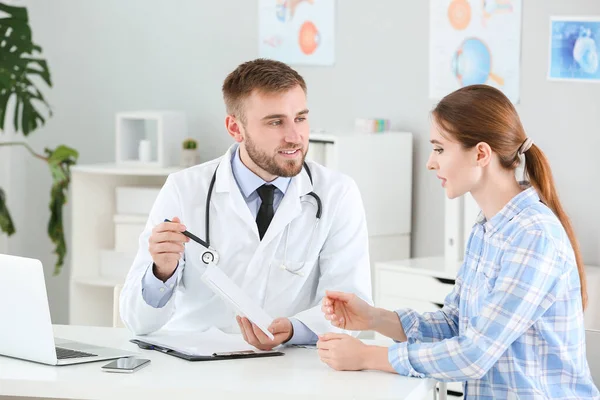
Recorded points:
(232, 294)
(208, 343)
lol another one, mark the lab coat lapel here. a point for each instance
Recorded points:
(290, 207)
(226, 184)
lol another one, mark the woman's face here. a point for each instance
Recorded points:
(456, 166)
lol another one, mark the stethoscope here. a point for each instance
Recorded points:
(212, 256)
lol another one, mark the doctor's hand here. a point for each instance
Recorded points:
(281, 328)
(166, 246)
(348, 311)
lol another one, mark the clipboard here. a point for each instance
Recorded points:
(214, 357)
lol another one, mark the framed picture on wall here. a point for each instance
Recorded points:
(297, 32)
(474, 42)
(574, 49)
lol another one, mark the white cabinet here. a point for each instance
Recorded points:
(418, 283)
(94, 200)
(381, 166)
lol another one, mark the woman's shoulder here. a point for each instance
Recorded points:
(538, 225)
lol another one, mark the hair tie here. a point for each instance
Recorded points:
(526, 145)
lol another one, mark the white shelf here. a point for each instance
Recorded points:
(97, 281)
(94, 220)
(118, 169)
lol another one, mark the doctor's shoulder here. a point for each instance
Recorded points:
(195, 178)
(331, 184)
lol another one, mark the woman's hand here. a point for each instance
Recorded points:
(342, 352)
(345, 353)
(348, 311)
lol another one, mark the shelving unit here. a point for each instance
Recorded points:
(381, 166)
(94, 205)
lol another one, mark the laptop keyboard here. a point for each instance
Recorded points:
(65, 354)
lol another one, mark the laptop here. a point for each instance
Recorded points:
(25, 317)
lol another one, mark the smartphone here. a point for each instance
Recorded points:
(126, 365)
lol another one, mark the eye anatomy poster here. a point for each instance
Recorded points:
(297, 32)
(574, 48)
(474, 42)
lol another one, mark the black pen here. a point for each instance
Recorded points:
(192, 236)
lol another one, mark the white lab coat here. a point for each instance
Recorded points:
(338, 258)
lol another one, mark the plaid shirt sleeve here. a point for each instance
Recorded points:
(528, 281)
(433, 326)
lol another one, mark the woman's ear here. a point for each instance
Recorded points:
(484, 154)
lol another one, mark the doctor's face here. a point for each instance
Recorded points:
(275, 132)
(456, 166)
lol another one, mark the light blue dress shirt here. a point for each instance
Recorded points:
(157, 293)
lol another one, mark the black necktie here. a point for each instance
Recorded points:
(265, 212)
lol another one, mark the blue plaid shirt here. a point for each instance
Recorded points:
(512, 327)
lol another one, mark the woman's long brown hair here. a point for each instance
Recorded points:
(481, 113)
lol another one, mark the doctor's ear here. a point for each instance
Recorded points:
(234, 127)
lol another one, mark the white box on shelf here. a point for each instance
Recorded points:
(115, 264)
(135, 199)
(165, 130)
(128, 229)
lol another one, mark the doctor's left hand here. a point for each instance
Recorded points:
(281, 328)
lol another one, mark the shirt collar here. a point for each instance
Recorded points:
(248, 181)
(521, 201)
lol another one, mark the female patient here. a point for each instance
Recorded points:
(512, 327)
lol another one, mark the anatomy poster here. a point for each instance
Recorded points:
(474, 42)
(574, 48)
(297, 32)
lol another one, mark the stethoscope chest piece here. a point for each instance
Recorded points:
(210, 257)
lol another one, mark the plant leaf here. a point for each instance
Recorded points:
(18, 68)
(62, 154)
(59, 162)
(6, 224)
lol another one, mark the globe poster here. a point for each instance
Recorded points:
(474, 42)
(297, 32)
(574, 48)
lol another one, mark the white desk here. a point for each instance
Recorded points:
(299, 374)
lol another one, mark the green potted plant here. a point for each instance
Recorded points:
(21, 107)
(189, 153)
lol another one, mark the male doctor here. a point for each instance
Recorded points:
(262, 223)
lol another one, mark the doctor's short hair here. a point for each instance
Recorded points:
(263, 75)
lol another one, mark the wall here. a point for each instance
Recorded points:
(113, 55)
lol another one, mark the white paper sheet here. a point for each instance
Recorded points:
(204, 343)
(232, 294)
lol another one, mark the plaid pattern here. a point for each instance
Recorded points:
(512, 327)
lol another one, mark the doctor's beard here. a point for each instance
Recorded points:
(286, 169)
